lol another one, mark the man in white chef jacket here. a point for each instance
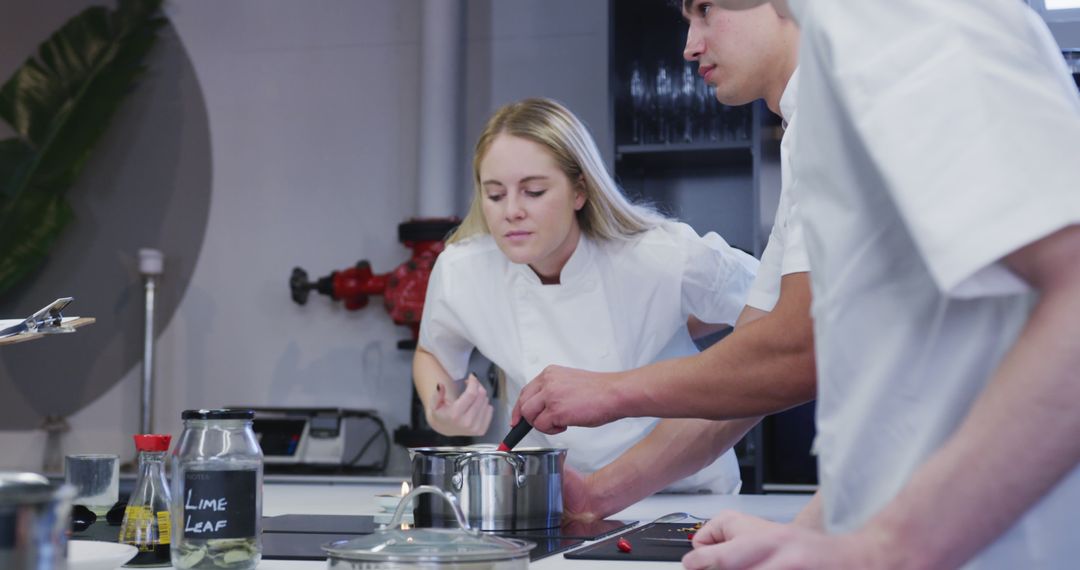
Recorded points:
(767, 364)
(940, 193)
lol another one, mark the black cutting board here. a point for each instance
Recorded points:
(320, 524)
(640, 550)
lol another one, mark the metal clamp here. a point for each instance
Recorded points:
(48, 316)
(46, 320)
(513, 459)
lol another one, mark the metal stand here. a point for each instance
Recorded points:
(53, 459)
(151, 262)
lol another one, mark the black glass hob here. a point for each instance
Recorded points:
(300, 537)
(562, 538)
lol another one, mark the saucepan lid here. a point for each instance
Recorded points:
(428, 545)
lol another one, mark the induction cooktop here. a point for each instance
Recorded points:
(296, 537)
(591, 530)
(570, 535)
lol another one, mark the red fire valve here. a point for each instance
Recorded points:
(402, 289)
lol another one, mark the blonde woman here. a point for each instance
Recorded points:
(553, 265)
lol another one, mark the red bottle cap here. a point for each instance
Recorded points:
(152, 442)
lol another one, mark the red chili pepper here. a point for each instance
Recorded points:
(690, 536)
(623, 544)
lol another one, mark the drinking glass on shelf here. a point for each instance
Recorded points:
(748, 122)
(687, 90)
(732, 117)
(705, 100)
(740, 124)
(639, 103)
(664, 91)
(709, 112)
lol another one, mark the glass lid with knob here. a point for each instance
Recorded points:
(397, 543)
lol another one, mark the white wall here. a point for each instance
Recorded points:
(313, 113)
(537, 48)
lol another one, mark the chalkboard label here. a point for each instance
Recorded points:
(219, 504)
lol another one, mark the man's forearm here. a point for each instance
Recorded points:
(675, 449)
(764, 366)
(1020, 438)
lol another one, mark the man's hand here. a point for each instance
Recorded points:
(734, 541)
(577, 503)
(561, 397)
(466, 414)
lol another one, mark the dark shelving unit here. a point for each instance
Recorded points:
(708, 174)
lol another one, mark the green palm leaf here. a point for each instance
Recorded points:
(59, 104)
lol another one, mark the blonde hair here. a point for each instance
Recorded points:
(607, 213)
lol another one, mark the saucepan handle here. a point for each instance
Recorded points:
(513, 459)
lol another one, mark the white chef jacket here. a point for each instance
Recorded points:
(618, 306)
(786, 251)
(936, 138)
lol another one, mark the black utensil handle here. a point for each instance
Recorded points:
(516, 433)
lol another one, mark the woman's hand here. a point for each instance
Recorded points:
(468, 413)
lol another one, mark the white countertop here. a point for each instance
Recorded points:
(328, 498)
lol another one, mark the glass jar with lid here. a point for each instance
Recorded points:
(217, 492)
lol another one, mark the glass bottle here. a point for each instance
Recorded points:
(146, 518)
(217, 492)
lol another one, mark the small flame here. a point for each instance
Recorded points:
(405, 526)
(404, 488)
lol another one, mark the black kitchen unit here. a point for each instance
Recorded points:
(300, 537)
(714, 167)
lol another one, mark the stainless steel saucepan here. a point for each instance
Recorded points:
(497, 490)
(33, 517)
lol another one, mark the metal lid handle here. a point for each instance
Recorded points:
(395, 521)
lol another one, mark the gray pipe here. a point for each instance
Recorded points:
(442, 96)
(151, 262)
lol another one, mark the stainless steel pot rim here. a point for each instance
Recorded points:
(485, 548)
(30, 488)
(484, 450)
